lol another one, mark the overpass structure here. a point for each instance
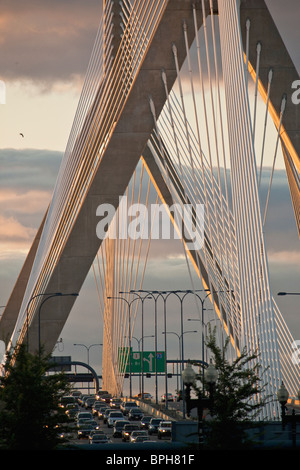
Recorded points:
(195, 136)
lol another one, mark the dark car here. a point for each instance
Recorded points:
(72, 410)
(101, 411)
(145, 422)
(115, 403)
(106, 415)
(126, 406)
(135, 414)
(98, 439)
(96, 407)
(105, 398)
(127, 430)
(84, 415)
(68, 400)
(84, 398)
(153, 425)
(84, 431)
(118, 427)
(89, 403)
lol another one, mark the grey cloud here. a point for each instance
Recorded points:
(29, 168)
(47, 41)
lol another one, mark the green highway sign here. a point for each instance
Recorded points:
(136, 361)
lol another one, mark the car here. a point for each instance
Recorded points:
(127, 430)
(81, 399)
(114, 416)
(105, 398)
(101, 393)
(106, 415)
(83, 421)
(91, 422)
(144, 424)
(84, 431)
(67, 400)
(164, 429)
(115, 403)
(170, 397)
(147, 396)
(143, 396)
(135, 434)
(88, 404)
(118, 426)
(96, 406)
(98, 439)
(153, 425)
(84, 398)
(142, 439)
(135, 414)
(84, 415)
(101, 411)
(126, 406)
(96, 431)
(72, 410)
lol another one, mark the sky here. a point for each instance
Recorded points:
(45, 48)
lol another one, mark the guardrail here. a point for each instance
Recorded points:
(157, 411)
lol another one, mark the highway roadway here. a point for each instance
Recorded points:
(109, 433)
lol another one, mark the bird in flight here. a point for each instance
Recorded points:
(22, 135)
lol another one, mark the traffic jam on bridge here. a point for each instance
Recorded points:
(102, 419)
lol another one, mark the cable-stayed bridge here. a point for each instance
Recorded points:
(166, 108)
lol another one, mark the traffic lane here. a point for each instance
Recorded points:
(109, 433)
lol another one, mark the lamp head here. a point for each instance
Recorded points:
(282, 394)
(211, 374)
(188, 375)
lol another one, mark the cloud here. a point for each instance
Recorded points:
(22, 170)
(27, 179)
(14, 236)
(47, 41)
(285, 257)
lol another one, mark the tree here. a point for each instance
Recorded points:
(238, 397)
(30, 416)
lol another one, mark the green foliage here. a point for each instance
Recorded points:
(31, 418)
(238, 397)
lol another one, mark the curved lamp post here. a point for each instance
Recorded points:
(142, 299)
(88, 354)
(129, 304)
(50, 296)
(27, 309)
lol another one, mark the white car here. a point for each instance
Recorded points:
(114, 416)
(164, 429)
(170, 397)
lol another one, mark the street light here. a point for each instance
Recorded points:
(180, 340)
(27, 312)
(138, 340)
(288, 293)
(189, 378)
(155, 295)
(164, 297)
(57, 294)
(142, 299)
(282, 397)
(88, 355)
(129, 304)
